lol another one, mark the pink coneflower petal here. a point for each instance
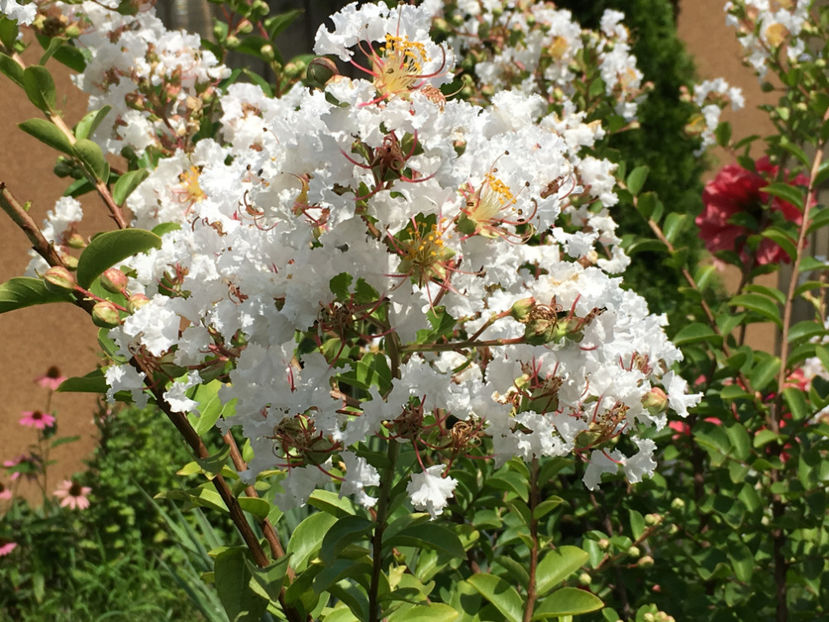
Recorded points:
(73, 495)
(6, 546)
(37, 419)
(5, 493)
(52, 380)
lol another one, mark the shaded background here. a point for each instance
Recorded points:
(34, 339)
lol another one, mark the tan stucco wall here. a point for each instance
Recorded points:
(33, 339)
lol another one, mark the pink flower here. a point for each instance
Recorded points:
(52, 380)
(29, 466)
(72, 495)
(683, 429)
(37, 419)
(735, 193)
(5, 493)
(6, 546)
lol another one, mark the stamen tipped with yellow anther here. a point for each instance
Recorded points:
(399, 65)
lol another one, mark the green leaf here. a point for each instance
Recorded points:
(24, 291)
(433, 612)
(764, 371)
(48, 133)
(87, 126)
(636, 179)
(796, 151)
(568, 601)
(39, 87)
(782, 239)
(499, 593)
(740, 440)
(806, 330)
(347, 530)
(267, 582)
(355, 569)
(8, 32)
(819, 218)
(110, 248)
(557, 565)
(694, 333)
(759, 304)
(782, 190)
(90, 154)
(277, 23)
(255, 505)
(307, 538)
(232, 577)
(547, 506)
(127, 183)
(796, 401)
(723, 133)
(331, 502)
(93, 382)
(11, 69)
(427, 536)
(741, 560)
(674, 224)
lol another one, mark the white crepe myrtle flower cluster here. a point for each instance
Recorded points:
(766, 26)
(537, 48)
(157, 81)
(711, 97)
(374, 258)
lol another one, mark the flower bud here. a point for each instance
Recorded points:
(521, 309)
(105, 314)
(267, 52)
(113, 280)
(655, 401)
(70, 261)
(232, 42)
(678, 504)
(320, 70)
(645, 562)
(76, 241)
(585, 578)
(633, 551)
(136, 301)
(58, 277)
(653, 519)
(245, 27)
(604, 544)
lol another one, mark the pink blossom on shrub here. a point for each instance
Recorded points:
(5, 493)
(6, 546)
(736, 190)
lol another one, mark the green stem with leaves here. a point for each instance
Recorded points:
(383, 503)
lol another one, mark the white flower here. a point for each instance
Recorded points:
(429, 491)
(358, 475)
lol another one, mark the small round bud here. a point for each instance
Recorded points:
(105, 314)
(113, 280)
(232, 42)
(649, 617)
(136, 301)
(653, 519)
(673, 529)
(645, 562)
(521, 309)
(678, 504)
(655, 400)
(70, 261)
(58, 277)
(267, 52)
(585, 578)
(245, 27)
(320, 70)
(76, 241)
(604, 544)
(633, 551)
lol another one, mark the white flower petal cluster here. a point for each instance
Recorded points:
(22, 13)
(377, 204)
(711, 97)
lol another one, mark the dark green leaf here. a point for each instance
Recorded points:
(232, 577)
(8, 32)
(93, 382)
(87, 126)
(557, 565)
(674, 224)
(796, 401)
(568, 601)
(433, 612)
(723, 133)
(694, 333)
(24, 291)
(110, 248)
(759, 304)
(347, 530)
(782, 239)
(39, 87)
(90, 154)
(819, 218)
(277, 23)
(126, 184)
(48, 133)
(11, 69)
(427, 536)
(787, 192)
(764, 371)
(499, 593)
(636, 179)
